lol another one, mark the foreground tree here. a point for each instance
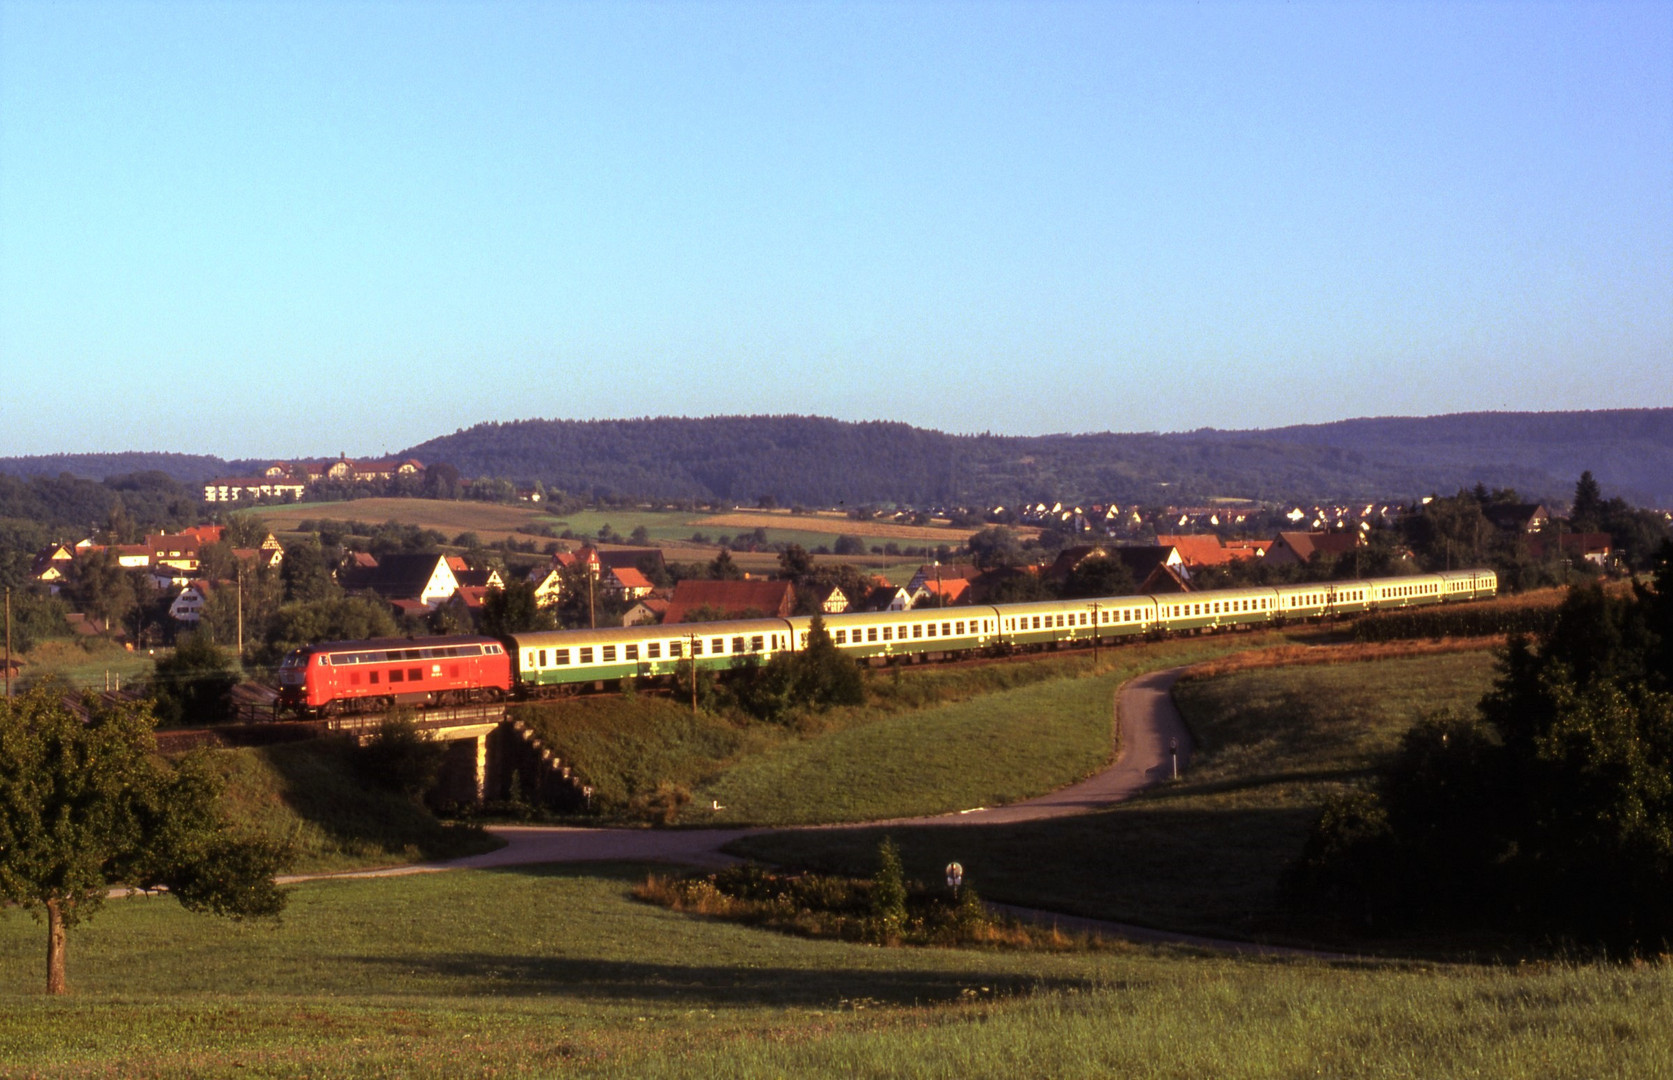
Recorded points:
(1552, 811)
(87, 806)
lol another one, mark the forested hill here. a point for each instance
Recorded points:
(819, 461)
(185, 468)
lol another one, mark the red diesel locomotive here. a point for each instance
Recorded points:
(370, 676)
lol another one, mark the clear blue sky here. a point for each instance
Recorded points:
(276, 229)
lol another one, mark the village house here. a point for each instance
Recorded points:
(418, 579)
(188, 606)
(1303, 547)
(730, 600)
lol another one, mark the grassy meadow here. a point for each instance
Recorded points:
(558, 972)
(1204, 854)
(83, 666)
(928, 740)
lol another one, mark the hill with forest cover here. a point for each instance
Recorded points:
(819, 461)
(185, 468)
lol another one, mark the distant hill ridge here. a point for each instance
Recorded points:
(820, 461)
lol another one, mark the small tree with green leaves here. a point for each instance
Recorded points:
(88, 806)
(888, 892)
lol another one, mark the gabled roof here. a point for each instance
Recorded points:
(1306, 545)
(731, 599)
(630, 578)
(1523, 516)
(402, 575)
(951, 592)
(1202, 550)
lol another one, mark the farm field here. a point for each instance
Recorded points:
(831, 524)
(558, 972)
(491, 521)
(496, 521)
(1202, 855)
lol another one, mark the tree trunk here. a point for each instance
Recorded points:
(54, 949)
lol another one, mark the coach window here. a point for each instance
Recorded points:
(630, 652)
(586, 656)
(755, 643)
(842, 637)
(653, 650)
(717, 646)
(958, 628)
(871, 633)
(931, 629)
(738, 644)
(542, 658)
(560, 656)
(947, 628)
(888, 633)
(675, 649)
(917, 630)
(609, 652)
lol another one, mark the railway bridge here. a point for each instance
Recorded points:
(491, 755)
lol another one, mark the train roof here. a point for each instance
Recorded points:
(386, 643)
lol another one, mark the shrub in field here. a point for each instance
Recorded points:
(888, 892)
(827, 906)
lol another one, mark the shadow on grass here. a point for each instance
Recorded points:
(504, 974)
(1198, 865)
(320, 785)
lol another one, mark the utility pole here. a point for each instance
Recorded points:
(240, 576)
(1094, 633)
(8, 642)
(691, 654)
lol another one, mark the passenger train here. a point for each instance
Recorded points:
(370, 676)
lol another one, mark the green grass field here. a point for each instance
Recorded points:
(1203, 855)
(928, 740)
(557, 972)
(84, 668)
